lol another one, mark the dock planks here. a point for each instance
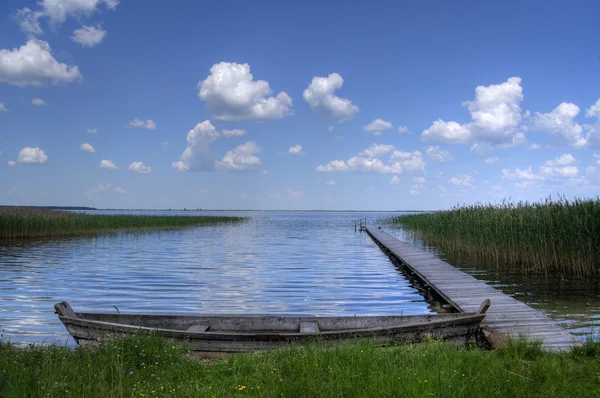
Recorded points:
(506, 317)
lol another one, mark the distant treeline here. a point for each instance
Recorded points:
(51, 207)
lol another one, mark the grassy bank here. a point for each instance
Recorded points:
(149, 367)
(552, 236)
(23, 222)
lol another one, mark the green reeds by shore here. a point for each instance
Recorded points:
(24, 222)
(551, 236)
(147, 366)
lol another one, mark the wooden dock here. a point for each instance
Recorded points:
(506, 317)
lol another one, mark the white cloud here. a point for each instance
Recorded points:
(414, 192)
(403, 129)
(296, 150)
(234, 133)
(560, 169)
(87, 147)
(197, 155)
(89, 36)
(597, 156)
(3, 108)
(533, 147)
(523, 185)
(495, 114)
(368, 161)
(11, 163)
(332, 182)
(462, 180)
(232, 94)
(561, 122)
(594, 110)
(450, 132)
(58, 11)
(265, 172)
(32, 64)
(294, 194)
(241, 158)
(394, 180)
(119, 190)
(438, 155)
(32, 155)
(420, 180)
(38, 102)
(139, 167)
(321, 98)
(147, 124)
(491, 160)
(378, 126)
(28, 21)
(108, 164)
(92, 131)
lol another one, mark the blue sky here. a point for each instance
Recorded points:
(306, 105)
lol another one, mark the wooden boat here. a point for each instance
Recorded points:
(214, 334)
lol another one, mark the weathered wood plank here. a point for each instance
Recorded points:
(506, 315)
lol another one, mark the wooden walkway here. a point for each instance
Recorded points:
(506, 316)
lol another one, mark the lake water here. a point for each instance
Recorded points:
(301, 263)
(279, 262)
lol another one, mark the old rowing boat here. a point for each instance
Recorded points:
(213, 334)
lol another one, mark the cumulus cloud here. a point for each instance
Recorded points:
(108, 164)
(495, 116)
(87, 147)
(332, 182)
(32, 155)
(231, 94)
(438, 155)
(369, 161)
(403, 129)
(395, 180)
(38, 102)
(28, 21)
(561, 121)
(147, 124)
(11, 163)
(491, 160)
(420, 180)
(322, 100)
(32, 64)
(3, 108)
(234, 133)
(58, 11)
(139, 167)
(241, 158)
(89, 36)
(378, 126)
(197, 154)
(92, 131)
(296, 150)
(533, 147)
(560, 169)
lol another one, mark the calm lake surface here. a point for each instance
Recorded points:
(301, 263)
(279, 262)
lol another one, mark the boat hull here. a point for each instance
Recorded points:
(231, 334)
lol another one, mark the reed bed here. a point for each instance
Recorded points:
(24, 222)
(561, 236)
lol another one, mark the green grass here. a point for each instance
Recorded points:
(146, 366)
(23, 222)
(552, 236)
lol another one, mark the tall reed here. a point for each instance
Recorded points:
(550, 236)
(27, 222)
